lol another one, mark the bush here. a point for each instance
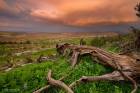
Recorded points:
(28, 42)
(98, 41)
(82, 41)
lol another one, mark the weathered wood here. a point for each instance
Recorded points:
(114, 76)
(46, 87)
(125, 67)
(58, 83)
(126, 76)
(125, 62)
(74, 58)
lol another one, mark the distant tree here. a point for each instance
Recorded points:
(136, 32)
(137, 8)
(134, 39)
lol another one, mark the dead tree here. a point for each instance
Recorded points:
(137, 8)
(133, 43)
(125, 67)
(136, 36)
(52, 83)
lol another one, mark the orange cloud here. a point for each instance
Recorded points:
(76, 12)
(84, 12)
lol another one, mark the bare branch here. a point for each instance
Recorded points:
(58, 83)
(46, 87)
(114, 76)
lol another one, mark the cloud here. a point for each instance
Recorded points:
(9, 9)
(82, 12)
(67, 12)
(13, 14)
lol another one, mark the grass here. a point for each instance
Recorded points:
(27, 79)
(33, 76)
(7, 50)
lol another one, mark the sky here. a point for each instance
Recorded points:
(67, 15)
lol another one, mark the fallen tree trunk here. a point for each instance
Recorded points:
(125, 67)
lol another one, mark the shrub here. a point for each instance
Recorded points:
(98, 41)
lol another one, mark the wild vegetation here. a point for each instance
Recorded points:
(29, 69)
(33, 76)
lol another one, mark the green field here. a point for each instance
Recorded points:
(31, 77)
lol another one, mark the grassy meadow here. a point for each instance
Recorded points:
(28, 78)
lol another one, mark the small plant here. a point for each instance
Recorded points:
(39, 60)
(29, 60)
(82, 41)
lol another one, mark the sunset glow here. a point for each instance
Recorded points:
(67, 12)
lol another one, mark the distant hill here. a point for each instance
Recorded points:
(55, 28)
(22, 36)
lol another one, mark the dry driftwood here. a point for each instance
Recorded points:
(74, 58)
(46, 87)
(58, 83)
(125, 67)
(42, 89)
